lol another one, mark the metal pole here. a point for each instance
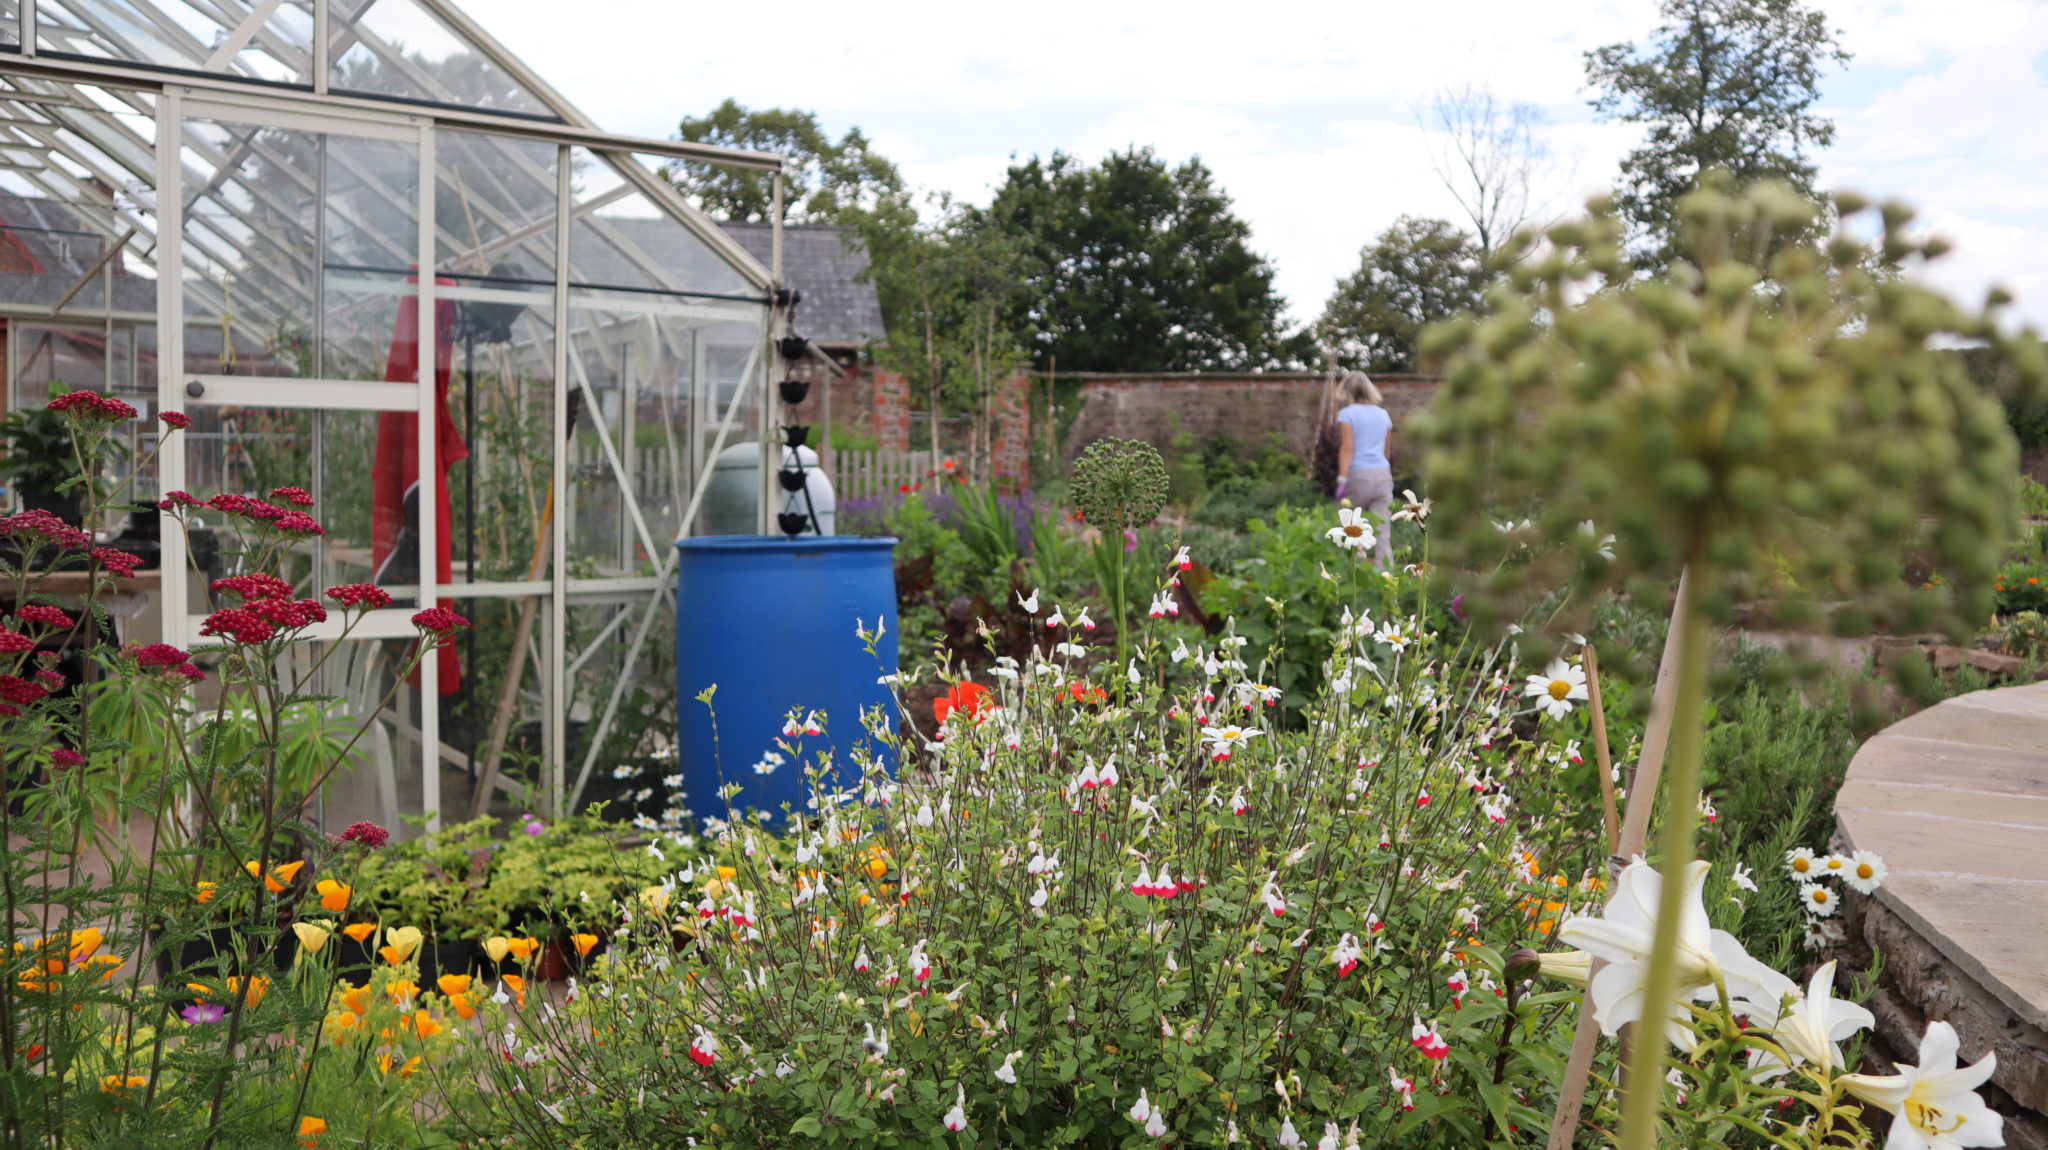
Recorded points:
(170, 308)
(556, 700)
(428, 364)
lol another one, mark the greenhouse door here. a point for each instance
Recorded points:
(294, 340)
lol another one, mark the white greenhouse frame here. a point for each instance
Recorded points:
(80, 70)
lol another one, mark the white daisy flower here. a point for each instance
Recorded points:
(1353, 531)
(1556, 687)
(1865, 872)
(1819, 901)
(1802, 864)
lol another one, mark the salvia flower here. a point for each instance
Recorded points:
(956, 1118)
(1403, 1087)
(1426, 1039)
(703, 1048)
(1346, 955)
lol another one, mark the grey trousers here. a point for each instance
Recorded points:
(1373, 489)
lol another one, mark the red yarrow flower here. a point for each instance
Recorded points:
(120, 563)
(258, 585)
(15, 689)
(14, 642)
(92, 406)
(288, 614)
(299, 523)
(175, 419)
(237, 625)
(66, 757)
(173, 500)
(157, 657)
(43, 613)
(369, 836)
(296, 496)
(360, 595)
(438, 620)
(46, 527)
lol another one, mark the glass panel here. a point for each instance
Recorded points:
(183, 34)
(501, 659)
(303, 245)
(396, 48)
(629, 241)
(10, 22)
(639, 751)
(379, 780)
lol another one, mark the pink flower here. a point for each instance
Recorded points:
(298, 523)
(14, 642)
(177, 420)
(296, 496)
(66, 757)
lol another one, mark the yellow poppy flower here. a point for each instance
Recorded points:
(312, 936)
(497, 946)
(400, 944)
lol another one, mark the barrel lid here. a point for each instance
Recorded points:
(722, 543)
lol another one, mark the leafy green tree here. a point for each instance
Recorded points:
(1725, 84)
(1133, 265)
(1417, 272)
(823, 180)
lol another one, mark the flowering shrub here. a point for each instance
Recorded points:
(181, 998)
(1102, 920)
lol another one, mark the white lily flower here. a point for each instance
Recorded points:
(1623, 934)
(1936, 1102)
(1810, 1030)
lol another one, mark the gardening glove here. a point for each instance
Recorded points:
(1342, 480)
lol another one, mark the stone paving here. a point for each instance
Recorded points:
(1955, 799)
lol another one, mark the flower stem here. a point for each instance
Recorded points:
(1644, 1083)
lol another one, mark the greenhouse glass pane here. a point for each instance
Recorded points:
(190, 34)
(630, 241)
(398, 48)
(10, 22)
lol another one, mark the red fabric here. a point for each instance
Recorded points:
(398, 462)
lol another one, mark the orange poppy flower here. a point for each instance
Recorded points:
(402, 992)
(584, 944)
(310, 1130)
(522, 948)
(454, 985)
(280, 876)
(973, 698)
(425, 1025)
(518, 986)
(360, 930)
(206, 891)
(334, 895)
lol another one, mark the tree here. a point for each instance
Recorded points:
(1135, 266)
(1417, 272)
(1487, 155)
(1724, 84)
(823, 180)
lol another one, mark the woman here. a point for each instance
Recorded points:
(1364, 434)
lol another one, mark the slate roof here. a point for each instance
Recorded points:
(825, 262)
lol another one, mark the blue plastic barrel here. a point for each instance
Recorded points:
(771, 622)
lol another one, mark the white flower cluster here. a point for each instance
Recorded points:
(1821, 879)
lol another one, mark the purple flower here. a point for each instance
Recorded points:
(1458, 605)
(534, 826)
(1130, 540)
(200, 1013)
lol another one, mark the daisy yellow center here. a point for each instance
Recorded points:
(1230, 734)
(1802, 865)
(1559, 688)
(1354, 530)
(1820, 896)
(1865, 870)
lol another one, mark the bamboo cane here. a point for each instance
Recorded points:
(1642, 800)
(515, 670)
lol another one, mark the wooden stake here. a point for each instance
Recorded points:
(515, 669)
(1610, 810)
(1642, 800)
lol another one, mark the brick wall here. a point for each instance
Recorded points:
(1010, 433)
(1250, 407)
(890, 404)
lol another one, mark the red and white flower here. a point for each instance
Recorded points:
(956, 1118)
(1222, 740)
(1346, 955)
(1402, 1086)
(703, 1048)
(1274, 901)
(1427, 1040)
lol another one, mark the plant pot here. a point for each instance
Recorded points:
(795, 434)
(792, 522)
(448, 958)
(68, 506)
(793, 347)
(792, 479)
(794, 391)
(555, 962)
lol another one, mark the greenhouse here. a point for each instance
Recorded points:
(220, 208)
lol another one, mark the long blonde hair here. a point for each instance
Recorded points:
(1358, 388)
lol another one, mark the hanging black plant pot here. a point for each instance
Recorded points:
(793, 347)
(794, 390)
(792, 522)
(795, 434)
(792, 479)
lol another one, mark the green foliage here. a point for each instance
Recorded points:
(985, 528)
(2025, 635)
(435, 882)
(823, 178)
(1133, 265)
(37, 454)
(1722, 84)
(2033, 494)
(1238, 500)
(1418, 271)
(2021, 587)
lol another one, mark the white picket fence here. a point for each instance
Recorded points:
(867, 474)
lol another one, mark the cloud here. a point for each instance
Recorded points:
(1305, 110)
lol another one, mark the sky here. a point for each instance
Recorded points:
(1309, 113)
